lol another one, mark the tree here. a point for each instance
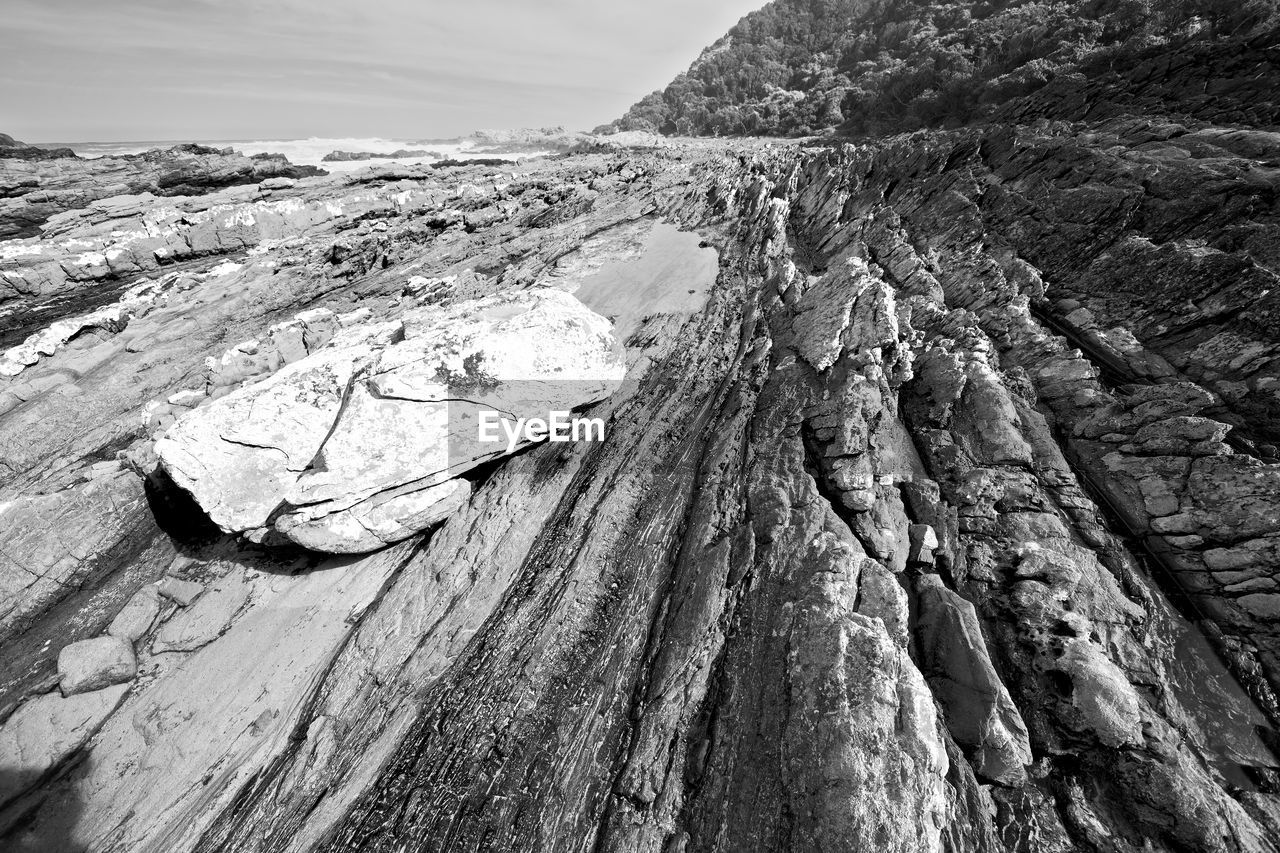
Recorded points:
(876, 64)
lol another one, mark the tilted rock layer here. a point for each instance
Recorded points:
(937, 509)
(37, 184)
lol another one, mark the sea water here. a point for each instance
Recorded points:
(311, 151)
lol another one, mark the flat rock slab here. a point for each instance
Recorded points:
(46, 730)
(137, 615)
(45, 535)
(358, 445)
(180, 592)
(202, 622)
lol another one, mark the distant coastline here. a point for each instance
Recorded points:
(312, 150)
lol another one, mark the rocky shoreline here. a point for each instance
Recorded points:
(938, 505)
(37, 184)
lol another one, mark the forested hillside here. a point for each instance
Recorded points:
(798, 67)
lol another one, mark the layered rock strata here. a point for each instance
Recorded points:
(37, 184)
(936, 513)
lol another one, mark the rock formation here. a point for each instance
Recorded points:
(13, 149)
(37, 184)
(398, 154)
(938, 507)
(361, 442)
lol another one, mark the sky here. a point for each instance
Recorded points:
(123, 70)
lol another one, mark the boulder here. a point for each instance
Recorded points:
(377, 522)
(96, 663)
(924, 542)
(1264, 605)
(355, 445)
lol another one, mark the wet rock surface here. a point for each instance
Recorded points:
(937, 507)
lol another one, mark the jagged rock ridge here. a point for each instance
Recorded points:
(938, 511)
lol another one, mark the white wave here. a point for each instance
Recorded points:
(94, 150)
(311, 151)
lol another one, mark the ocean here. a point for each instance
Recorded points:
(311, 151)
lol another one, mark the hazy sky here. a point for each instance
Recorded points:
(106, 70)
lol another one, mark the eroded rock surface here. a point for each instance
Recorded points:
(937, 508)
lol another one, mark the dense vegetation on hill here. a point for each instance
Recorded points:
(798, 67)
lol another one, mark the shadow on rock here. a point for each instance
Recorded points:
(178, 514)
(26, 826)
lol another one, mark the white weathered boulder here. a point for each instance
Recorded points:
(360, 443)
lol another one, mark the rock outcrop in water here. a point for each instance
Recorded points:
(937, 508)
(13, 149)
(398, 154)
